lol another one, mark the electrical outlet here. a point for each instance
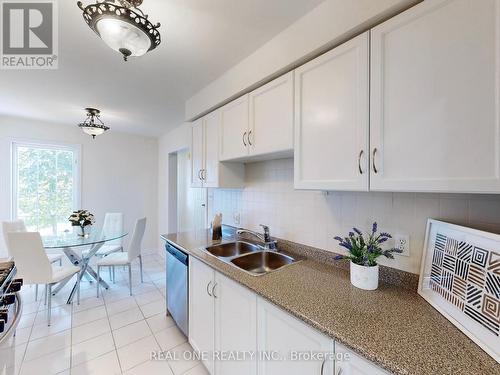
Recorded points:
(236, 218)
(402, 242)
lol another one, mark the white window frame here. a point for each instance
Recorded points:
(15, 143)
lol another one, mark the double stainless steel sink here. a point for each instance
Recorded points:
(250, 257)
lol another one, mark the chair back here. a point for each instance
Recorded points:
(134, 249)
(30, 257)
(12, 226)
(113, 223)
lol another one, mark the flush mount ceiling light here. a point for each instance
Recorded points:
(93, 125)
(124, 27)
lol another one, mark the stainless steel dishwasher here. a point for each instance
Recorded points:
(177, 286)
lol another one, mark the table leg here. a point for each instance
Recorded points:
(83, 263)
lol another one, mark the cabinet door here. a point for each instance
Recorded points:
(234, 129)
(286, 337)
(271, 117)
(235, 326)
(196, 153)
(211, 165)
(201, 309)
(331, 119)
(435, 84)
(349, 363)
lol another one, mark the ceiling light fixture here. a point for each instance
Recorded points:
(124, 28)
(93, 125)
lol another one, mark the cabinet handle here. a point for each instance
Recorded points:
(208, 287)
(322, 366)
(249, 141)
(213, 290)
(199, 175)
(359, 161)
(375, 170)
(244, 135)
(203, 174)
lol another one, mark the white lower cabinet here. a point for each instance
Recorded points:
(237, 332)
(349, 363)
(281, 334)
(222, 321)
(201, 310)
(235, 328)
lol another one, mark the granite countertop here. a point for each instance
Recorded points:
(392, 326)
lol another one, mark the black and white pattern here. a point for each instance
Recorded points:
(464, 251)
(462, 269)
(468, 277)
(493, 285)
(479, 257)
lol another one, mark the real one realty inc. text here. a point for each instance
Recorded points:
(247, 355)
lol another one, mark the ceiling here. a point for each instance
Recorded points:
(201, 39)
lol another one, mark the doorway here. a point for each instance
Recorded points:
(189, 211)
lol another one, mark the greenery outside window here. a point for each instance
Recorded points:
(45, 185)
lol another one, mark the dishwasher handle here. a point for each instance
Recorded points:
(178, 254)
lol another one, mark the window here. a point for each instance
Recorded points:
(45, 185)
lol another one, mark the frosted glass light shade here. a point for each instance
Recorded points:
(123, 36)
(93, 131)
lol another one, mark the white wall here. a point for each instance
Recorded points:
(175, 140)
(329, 24)
(119, 172)
(314, 218)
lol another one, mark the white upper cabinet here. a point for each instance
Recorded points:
(349, 363)
(259, 124)
(211, 167)
(331, 119)
(207, 170)
(282, 334)
(197, 153)
(271, 118)
(435, 102)
(234, 129)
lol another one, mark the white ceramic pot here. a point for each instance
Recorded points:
(364, 277)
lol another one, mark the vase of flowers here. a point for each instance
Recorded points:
(363, 252)
(82, 219)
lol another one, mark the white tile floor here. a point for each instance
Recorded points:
(114, 334)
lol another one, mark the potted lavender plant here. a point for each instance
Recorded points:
(363, 253)
(82, 219)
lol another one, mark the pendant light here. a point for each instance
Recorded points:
(122, 26)
(93, 125)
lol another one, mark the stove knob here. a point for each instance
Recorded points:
(14, 287)
(4, 316)
(8, 299)
(2, 326)
(19, 281)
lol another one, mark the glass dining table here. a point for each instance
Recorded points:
(73, 247)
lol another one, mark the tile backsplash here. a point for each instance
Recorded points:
(313, 217)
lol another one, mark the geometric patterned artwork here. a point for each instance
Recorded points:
(460, 277)
(466, 276)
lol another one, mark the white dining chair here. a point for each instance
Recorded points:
(32, 262)
(126, 258)
(19, 226)
(113, 223)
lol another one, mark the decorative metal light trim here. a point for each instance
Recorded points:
(93, 125)
(127, 11)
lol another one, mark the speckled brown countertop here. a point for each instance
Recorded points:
(392, 326)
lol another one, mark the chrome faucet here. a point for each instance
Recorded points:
(265, 238)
